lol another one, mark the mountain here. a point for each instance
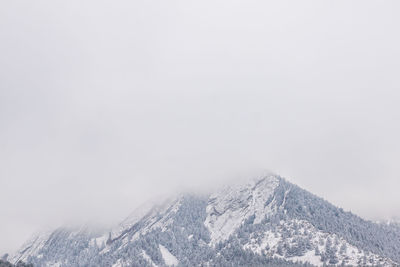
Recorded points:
(262, 222)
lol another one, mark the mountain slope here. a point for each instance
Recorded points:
(266, 221)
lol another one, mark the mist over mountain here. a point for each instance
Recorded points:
(261, 222)
(105, 105)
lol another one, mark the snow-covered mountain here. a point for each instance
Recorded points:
(263, 222)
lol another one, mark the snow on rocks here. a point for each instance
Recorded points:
(230, 207)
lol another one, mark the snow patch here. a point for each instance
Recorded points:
(169, 259)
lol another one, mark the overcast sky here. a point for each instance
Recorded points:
(104, 104)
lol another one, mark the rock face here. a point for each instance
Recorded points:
(263, 222)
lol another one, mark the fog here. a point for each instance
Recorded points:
(105, 104)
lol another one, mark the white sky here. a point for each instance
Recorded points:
(104, 104)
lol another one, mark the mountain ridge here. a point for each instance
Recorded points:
(265, 221)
